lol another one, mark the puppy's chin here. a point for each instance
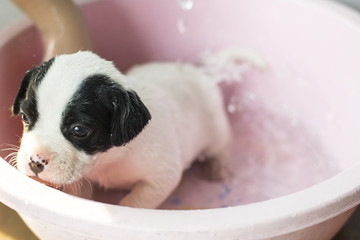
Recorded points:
(51, 160)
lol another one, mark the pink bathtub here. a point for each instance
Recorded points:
(296, 121)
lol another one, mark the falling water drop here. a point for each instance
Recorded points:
(231, 108)
(182, 26)
(251, 96)
(233, 105)
(186, 4)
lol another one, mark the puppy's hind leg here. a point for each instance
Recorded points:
(214, 167)
(215, 162)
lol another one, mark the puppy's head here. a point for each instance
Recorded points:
(74, 107)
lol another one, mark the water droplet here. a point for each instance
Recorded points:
(251, 96)
(186, 4)
(231, 108)
(233, 105)
(182, 26)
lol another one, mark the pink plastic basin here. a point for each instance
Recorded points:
(296, 125)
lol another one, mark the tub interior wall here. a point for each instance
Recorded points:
(295, 123)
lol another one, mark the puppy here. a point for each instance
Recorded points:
(139, 131)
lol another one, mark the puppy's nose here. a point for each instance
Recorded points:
(37, 163)
(36, 167)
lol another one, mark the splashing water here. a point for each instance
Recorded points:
(230, 64)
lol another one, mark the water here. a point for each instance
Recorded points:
(273, 153)
(182, 26)
(231, 108)
(186, 4)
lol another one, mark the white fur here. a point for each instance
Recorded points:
(188, 119)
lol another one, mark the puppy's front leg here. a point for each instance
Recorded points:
(147, 194)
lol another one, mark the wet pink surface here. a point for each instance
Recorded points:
(271, 156)
(295, 123)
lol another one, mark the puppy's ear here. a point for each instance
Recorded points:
(130, 116)
(36, 74)
(22, 92)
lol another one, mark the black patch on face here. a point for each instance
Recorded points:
(25, 101)
(113, 115)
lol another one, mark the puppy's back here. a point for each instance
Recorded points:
(192, 101)
(187, 85)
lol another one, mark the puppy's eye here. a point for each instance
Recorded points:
(25, 119)
(80, 132)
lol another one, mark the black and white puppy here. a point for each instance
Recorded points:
(139, 131)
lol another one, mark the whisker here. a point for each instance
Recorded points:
(10, 155)
(80, 186)
(13, 162)
(10, 146)
(89, 183)
(11, 158)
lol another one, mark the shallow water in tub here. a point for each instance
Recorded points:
(272, 154)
